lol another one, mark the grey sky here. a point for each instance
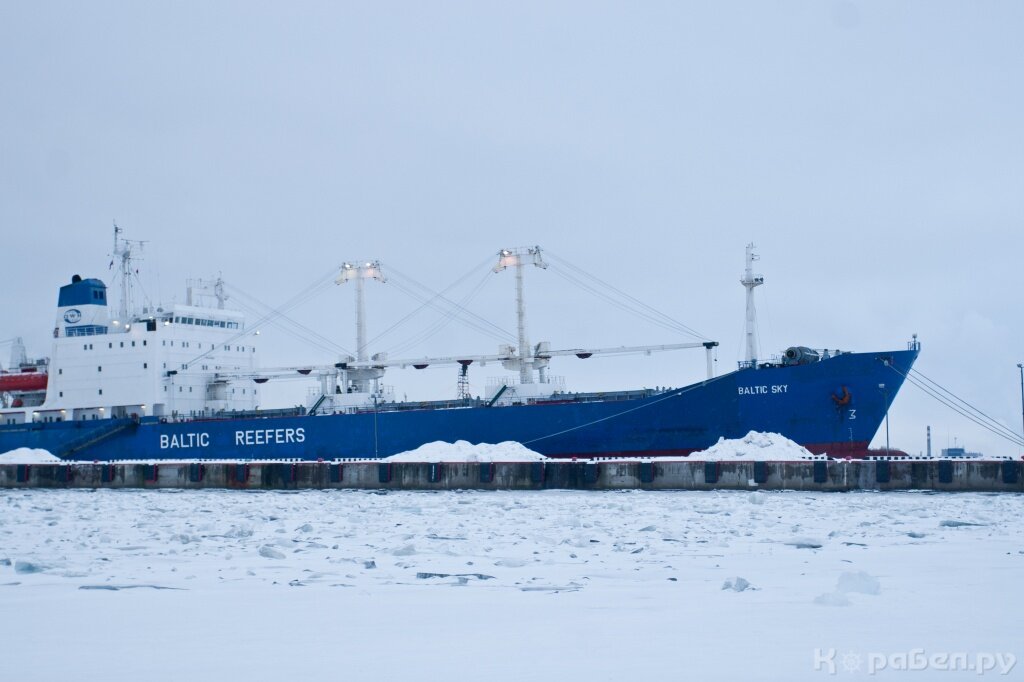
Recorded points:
(872, 150)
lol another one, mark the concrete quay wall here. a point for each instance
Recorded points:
(836, 475)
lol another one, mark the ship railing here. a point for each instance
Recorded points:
(556, 382)
(780, 360)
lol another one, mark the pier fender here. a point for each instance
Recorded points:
(820, 472)
(536, 472)
(760, 472)
(1010, 472)
(711, 471)
(336, 474)
(882, 471)
(945, 471)
(647, 472)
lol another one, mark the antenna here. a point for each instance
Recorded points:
(514, 258)
(751, 281)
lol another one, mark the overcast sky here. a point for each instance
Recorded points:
(874, 151)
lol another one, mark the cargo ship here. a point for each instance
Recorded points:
(183, 382)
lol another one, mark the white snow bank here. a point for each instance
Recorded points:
(28, 456)
(754, 446)
(464, 451)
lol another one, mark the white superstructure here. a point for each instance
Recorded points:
(161, 362)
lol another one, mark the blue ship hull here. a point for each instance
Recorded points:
(834, 406)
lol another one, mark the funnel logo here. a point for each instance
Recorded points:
(73, 316)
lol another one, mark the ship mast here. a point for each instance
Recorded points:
(750, 281)
(122, 255)
(515, 258)
(360, 272)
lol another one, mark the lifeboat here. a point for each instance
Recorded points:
(27, 381)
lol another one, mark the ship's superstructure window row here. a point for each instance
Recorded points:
(201, 322)
(85, 330)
